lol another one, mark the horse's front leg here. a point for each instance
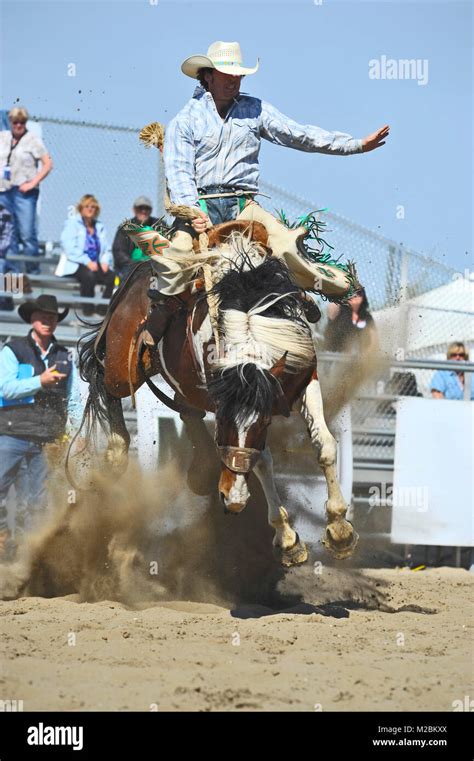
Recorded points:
(288, 547)
(340, 536)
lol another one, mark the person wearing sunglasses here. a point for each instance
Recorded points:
(21, 154)
(86, 253)
(125, 252)
(449, 384)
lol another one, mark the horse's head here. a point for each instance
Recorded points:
(245, 397)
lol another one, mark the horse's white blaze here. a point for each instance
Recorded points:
(243, 428)
(239, 491)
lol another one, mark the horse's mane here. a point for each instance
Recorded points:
(260, 319)
(260, 310)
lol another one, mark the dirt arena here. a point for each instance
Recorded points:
(114, 606)
(415, 655)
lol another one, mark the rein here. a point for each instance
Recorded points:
(180, 407)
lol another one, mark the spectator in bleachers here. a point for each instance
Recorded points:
(38, 392)
(20, 154)
(449, 384)
(350, 326)
(124, 250)
(6, 235)
(86, 252)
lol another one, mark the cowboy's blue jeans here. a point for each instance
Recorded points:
(22, 463)
(22, 207)
(222, 209)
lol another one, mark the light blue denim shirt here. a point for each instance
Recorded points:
(12, 387)
(202, 149)
(73, 242)
(447, 383)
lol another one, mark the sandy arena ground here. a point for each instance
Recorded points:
(186, 656)
(143, 599)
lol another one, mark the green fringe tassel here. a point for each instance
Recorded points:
(315, 228)
(160, 226)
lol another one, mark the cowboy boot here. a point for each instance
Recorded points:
(169, 257)
(163, 308)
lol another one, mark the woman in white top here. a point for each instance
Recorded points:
(21, 153)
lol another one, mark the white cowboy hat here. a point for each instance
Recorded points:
(223, 56)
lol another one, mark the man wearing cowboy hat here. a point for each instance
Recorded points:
(211, 161)
(38, 392)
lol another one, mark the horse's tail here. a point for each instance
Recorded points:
(91, 350)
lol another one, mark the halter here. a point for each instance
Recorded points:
(239, 459)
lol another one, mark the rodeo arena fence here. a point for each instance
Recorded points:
(404, 459)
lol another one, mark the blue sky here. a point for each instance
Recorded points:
(314, 67)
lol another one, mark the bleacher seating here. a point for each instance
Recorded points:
(66, 290)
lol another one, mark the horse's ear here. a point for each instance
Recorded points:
(279, 367)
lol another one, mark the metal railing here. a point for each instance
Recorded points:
(373, 412)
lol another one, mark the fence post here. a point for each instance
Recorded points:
(402, 300)
(467, 387)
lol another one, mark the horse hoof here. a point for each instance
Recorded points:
(289, 556)
(341, 539)
(116, 463)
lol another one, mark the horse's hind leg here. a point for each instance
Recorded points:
(340, 536)
(288, 547)
(116, 455)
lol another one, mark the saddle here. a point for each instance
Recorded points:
(256, 231)
(158, 318)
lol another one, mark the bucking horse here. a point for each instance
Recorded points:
(238, 345)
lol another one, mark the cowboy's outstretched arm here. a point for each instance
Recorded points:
(281, 130)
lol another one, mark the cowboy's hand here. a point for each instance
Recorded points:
(200, 223)
(51, 377)
(104, 267)
(93, 266)
(375, 140)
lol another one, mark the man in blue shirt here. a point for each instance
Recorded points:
(38, 393)
(211, 160)
(449, 384)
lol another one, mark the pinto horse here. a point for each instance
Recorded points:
(257, 362)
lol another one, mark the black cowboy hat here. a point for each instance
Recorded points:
(43, 303)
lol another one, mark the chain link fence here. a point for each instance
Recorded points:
(104, 160)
